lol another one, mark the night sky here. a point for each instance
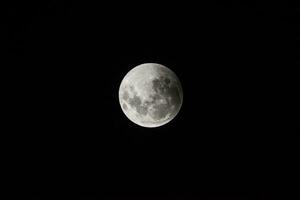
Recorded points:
(69, 58)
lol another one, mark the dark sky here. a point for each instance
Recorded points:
(68, 59)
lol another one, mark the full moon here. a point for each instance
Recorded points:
(150, 95)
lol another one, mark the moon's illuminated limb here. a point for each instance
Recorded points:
(150, 95)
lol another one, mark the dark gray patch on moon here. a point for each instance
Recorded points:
(173, 92)
(125, 95)
(131, 87)
(167, 81)
(136, 103)
(161, 111)
(147, 103)
(158, 85)
(142, 110)
(171, 95)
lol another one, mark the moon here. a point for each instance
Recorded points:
(150, 95)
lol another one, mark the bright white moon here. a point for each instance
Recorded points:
(150, 95)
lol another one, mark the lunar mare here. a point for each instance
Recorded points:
(150, 95)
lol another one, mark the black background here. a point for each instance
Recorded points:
(68, 59)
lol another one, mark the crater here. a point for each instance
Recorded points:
(124, 106)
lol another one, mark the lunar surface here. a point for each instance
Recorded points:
(150, 95)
